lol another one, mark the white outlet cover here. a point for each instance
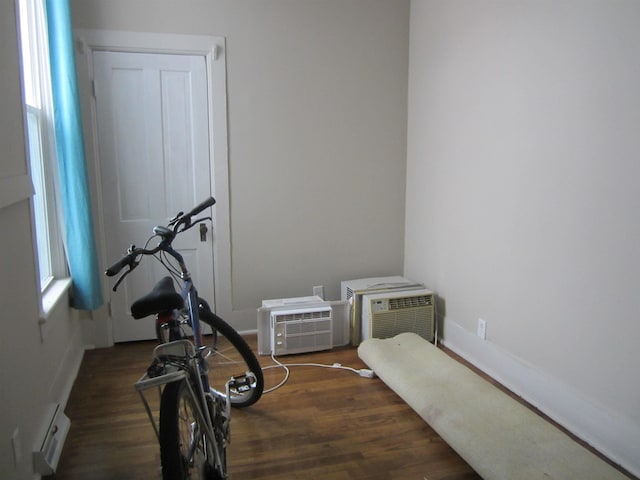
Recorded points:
(319, 291)
(482, 329)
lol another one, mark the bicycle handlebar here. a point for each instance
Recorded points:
(209, 202)
(167, 234)
(115, 269)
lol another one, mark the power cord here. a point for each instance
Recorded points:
(363, 372)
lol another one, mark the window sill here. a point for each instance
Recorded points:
(51, 297)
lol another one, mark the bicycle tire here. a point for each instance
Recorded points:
(179, 433)
(231, 356)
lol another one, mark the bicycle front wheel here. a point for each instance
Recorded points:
(231, 356)
(183, 451)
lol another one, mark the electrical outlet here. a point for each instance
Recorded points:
(482, 329)
(319, 291)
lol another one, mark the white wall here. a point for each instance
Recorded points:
(34, 372)
(317, 133)
(520, 183)
(522, 199)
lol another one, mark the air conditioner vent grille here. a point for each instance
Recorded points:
(349, 293)
(388, 325)
(302, 316)
(410, 302)
(301, 330)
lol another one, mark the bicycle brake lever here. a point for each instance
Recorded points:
(176, 218)
(119, 281)
(203, 219)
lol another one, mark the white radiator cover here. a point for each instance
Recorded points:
(47, 453)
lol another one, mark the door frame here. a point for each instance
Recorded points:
(213, 49)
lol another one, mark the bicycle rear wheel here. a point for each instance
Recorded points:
(183, 449)
(231, 356)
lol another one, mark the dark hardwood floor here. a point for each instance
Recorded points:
(322, 424)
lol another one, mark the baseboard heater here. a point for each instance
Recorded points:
(47, 456)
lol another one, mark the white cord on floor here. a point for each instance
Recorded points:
(363, 372)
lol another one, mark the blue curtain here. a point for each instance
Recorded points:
(76, 201)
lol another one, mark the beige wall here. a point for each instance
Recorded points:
(522, 198)
(317, 133)
(34, 372)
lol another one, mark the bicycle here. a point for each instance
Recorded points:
(198, 384)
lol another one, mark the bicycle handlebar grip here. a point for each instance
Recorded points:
(209, 202)
(119, 265)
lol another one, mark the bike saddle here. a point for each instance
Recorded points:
(162, 298)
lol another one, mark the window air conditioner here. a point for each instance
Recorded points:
(339, 318)
(387, 314)
(299, 330)
(353, 290)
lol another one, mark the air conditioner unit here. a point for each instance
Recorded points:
(387, 314)
(339, 318)
(264, 317)
(353, 290)
(299, 330)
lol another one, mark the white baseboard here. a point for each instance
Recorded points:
(67, 374)
(615, 436)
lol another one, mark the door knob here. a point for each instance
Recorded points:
(203, 232)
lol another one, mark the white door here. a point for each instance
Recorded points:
(153, 138)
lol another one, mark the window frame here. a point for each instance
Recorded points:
(51, 266)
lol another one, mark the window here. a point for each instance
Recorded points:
(41, 143)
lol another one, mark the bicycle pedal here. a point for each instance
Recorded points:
(242, 383)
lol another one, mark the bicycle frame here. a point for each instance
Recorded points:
(193, 354)
(190, 294)
(182, 363)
